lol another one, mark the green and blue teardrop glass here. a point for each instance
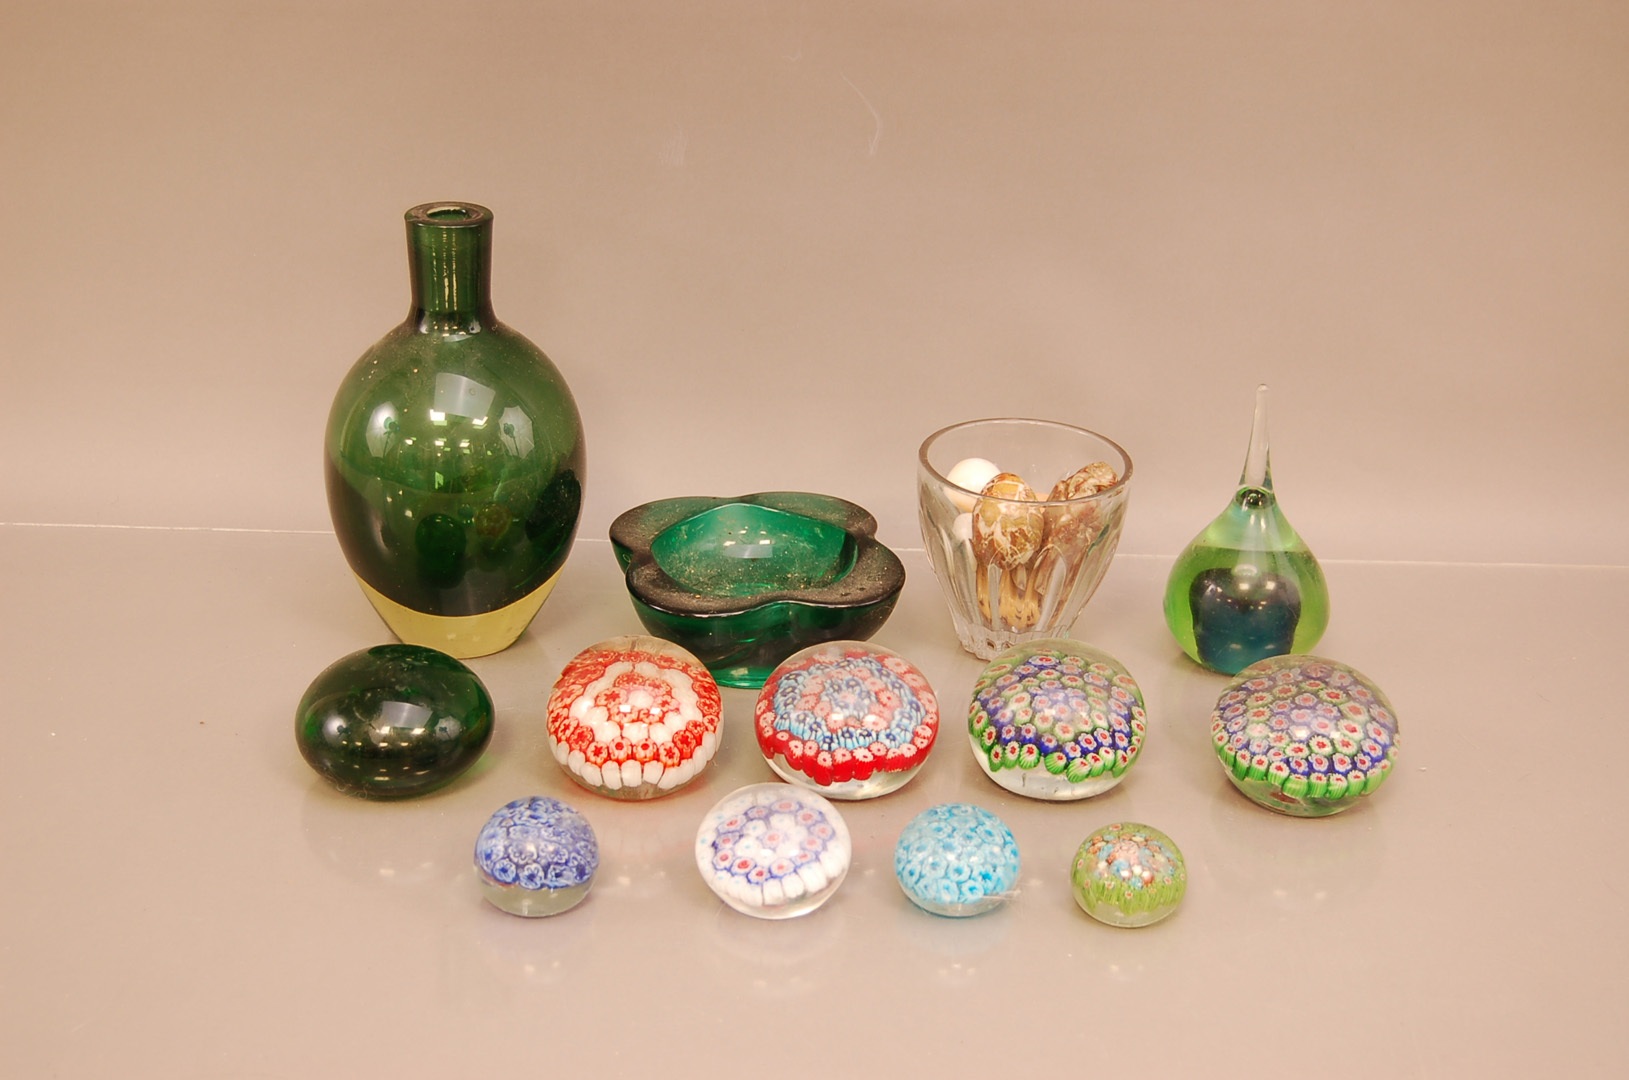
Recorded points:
(1248, 587)
(454, 454)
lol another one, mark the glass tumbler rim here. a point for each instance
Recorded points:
(1113, 489)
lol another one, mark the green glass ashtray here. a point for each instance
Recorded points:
(744, 583)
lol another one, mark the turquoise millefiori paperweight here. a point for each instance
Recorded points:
(957, 860)
(744, 583)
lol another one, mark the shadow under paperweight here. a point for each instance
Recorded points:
(744, 583)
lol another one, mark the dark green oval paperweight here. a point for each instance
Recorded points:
(744, 583)
(393, 721)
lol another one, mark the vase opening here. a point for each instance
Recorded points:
(449, 214)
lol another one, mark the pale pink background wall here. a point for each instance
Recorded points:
(792, 239)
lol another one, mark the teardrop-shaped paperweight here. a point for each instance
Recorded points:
(1247, 587)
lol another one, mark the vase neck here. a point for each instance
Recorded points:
(449, 256)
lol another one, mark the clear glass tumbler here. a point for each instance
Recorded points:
(1019, 563)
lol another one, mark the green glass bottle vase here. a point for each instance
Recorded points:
(454, 454)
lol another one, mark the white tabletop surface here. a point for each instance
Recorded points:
(773, 246)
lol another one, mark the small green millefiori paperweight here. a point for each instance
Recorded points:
(1129, 875)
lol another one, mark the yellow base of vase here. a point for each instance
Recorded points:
(461, 636)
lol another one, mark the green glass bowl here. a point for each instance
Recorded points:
(744, 583)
